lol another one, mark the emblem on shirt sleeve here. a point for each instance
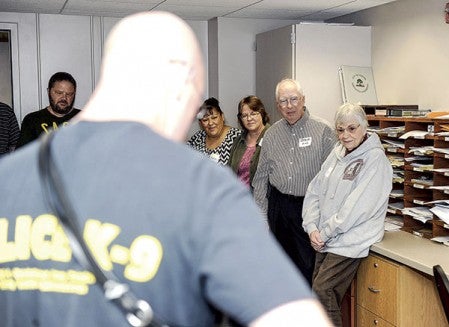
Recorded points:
(353, 169)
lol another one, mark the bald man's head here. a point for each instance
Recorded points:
(152, 68)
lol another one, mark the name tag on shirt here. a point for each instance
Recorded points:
(305, 141)
(215, 157)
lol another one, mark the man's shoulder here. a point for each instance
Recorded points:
(36, 114)
(276, 126)
(320, 121)
(4, 106)
(75, 111)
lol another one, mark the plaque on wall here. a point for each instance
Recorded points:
(357, 85)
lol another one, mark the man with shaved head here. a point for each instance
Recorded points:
(151, 210)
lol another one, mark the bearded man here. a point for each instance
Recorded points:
(61, 96)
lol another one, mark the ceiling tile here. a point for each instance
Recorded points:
(197, 9)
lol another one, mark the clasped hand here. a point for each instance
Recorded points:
(316, 241)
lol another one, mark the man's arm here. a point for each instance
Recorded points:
(14, 131)
(298, 313)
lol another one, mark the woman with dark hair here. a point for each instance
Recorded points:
(215, 138)
(253, 119)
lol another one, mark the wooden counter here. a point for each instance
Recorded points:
(395, 285)
(413, 251)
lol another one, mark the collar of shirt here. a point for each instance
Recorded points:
(301, 122)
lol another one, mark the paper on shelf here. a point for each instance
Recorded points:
(391, 227)
(441, 150)
(441, 170)
(414, 134)
(441, 212)
(440, 187)
(397, 144)
(441, 239)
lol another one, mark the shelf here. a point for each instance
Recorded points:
(417, 167)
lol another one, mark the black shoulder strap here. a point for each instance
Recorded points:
(138, 312)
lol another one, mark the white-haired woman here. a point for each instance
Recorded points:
(345, 206)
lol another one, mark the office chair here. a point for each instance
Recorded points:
(442, 284)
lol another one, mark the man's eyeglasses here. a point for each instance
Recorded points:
(284, 102)
(252, 114)
(351, 129)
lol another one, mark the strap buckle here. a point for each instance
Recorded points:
(138, 312)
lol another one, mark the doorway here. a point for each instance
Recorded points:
(6, 95)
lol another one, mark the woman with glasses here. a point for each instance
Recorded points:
(215, 138)
(345, 206)
(253, 119)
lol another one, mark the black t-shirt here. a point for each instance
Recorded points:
(179, 229)
(35, 123)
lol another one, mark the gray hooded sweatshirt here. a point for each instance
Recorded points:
(347, 201)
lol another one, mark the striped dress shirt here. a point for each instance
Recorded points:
(9, 129)
(291, 156)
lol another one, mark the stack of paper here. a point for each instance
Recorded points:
(423, 214)
(394, 144)
(441, 150)
(441, 170)
(443, 188)
(392, 131)
(398, 176)
(397, 194)
(421, 150)
(442, 212)
(396, 205)
(423, 180)
(414, 134)
(419, 158)
(442, 134)
(396, 161)
(421, 166)
(441, 239)
(393, 223)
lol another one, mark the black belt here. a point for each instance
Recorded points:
(286, 196)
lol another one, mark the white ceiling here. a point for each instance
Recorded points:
(302, 10)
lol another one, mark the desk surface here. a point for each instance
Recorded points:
(413, 251)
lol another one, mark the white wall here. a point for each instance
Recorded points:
(47, 43)
(410, 52)
(320, 51)
(69, 48)
(236, 63)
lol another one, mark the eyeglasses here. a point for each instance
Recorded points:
(252, 114)
(284, 102)
(351, 129)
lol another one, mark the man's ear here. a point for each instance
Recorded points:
(179, 78)
(178, 113)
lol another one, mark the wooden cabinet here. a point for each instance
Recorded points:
(391, 294)
(365, 318)
(418, 162)
(348, 306)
